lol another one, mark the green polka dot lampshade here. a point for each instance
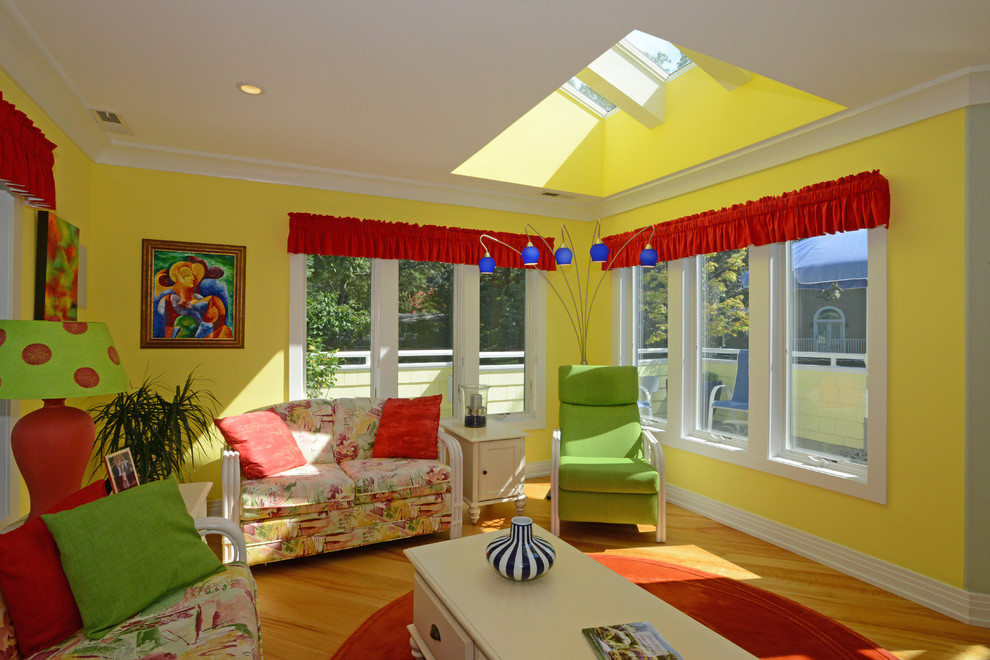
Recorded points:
(58, 360)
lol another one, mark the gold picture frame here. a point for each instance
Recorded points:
(192, 295)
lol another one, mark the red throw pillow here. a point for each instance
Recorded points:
(41, 605)
(265, 443)
(408, 428)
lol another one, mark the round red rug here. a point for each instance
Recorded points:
(765, 624)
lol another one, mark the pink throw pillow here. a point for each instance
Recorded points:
(408, 428)
(265, 443)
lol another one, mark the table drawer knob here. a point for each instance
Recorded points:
(434, 632)
(484, 472)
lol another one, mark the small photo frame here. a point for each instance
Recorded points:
(120, 469)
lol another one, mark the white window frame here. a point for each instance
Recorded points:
(768, 371)
(692, 403)
(385, 334)
(626, 282)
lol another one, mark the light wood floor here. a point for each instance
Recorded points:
(310, 606)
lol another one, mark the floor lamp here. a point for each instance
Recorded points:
(579, 312)
(54, 360)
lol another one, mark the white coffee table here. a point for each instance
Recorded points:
(463, 609)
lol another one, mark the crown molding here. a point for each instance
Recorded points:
(954, 91)
(126, 154)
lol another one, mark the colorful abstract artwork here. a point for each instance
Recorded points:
(192, 295)
(56, 269)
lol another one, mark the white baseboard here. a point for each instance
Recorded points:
(969, 607)
(538, 469)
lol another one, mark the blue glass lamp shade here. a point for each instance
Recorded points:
(530, 255)
(648, 257)
(599, 252)
(563, 256)
(486, 265)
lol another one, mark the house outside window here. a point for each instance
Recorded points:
(828, 289)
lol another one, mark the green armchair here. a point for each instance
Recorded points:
(604, 466)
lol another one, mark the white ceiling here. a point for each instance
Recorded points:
(405, 91)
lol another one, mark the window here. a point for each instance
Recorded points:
(338, 326)
(387, 328)
(650, 340)
(502, 333)
(814, 335)
(827, 369)
(662, 54)
(631, 76)
(426, 331)
(722, 343)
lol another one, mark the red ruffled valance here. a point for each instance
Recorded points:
(854, 202)
(26, 158)
(380, 239)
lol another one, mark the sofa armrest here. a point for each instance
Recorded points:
(230, 493)
(450, 452)
(227, 529)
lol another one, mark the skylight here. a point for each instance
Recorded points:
(598, 103)
(662, 53)
(630, 76)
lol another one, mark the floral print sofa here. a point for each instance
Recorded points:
(342, 497)
(215, 617)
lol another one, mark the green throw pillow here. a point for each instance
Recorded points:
(123, 552)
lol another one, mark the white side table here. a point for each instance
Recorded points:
(194, 496)
(494, 464)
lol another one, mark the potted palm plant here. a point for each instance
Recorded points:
(162, 427)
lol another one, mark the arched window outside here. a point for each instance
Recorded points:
(830, 330)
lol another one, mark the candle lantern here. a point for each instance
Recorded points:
(475, 399)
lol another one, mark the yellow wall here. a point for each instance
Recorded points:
(703, 121)
(922, 526)
(561, 145)
(131, 204)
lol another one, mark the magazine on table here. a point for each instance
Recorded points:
(630, 641)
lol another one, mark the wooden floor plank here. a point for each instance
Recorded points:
(310, 606)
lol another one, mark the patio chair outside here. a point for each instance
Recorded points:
(738, 401)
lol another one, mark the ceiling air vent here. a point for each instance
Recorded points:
(112, 122)
(557, 195)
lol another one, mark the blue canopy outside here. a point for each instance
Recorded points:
(820, 260)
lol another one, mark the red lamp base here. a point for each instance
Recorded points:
(51, 447)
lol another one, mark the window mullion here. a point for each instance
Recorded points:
(384, 328)
(467, 342)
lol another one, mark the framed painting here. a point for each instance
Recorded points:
(192, 295)
(56, 278)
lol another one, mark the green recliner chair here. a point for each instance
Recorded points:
(604, 466)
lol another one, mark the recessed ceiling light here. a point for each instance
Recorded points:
(250, 88)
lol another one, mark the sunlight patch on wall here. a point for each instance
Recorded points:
(557, 144)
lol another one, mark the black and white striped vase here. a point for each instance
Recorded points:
(520, 555)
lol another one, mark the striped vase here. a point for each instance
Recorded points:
(520, 555)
